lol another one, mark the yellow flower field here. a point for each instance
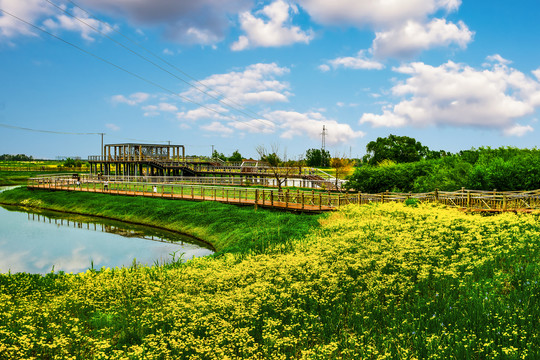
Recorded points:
(381, 281)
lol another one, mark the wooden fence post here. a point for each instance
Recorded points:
(256, 198)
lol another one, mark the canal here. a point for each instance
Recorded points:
(45, 241)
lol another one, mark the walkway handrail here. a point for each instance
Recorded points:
(290, 199)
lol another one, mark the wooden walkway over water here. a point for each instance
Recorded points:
(290, 201)
(297, 200)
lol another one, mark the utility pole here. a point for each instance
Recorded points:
(323, 137)
(212, 152)
(101, 144)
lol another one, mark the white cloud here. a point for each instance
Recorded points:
(518, 130)
(459, 95)
(211, 111)
(150, 110)
(272, 33)
(218, 127)
(133, 99)
(255, 126)
(288, 125)
(29, 10)
(42, 13)
(154, 110)
(374, 13)
(414, 37)
(403, 28)
(84, 26)
(498, 58)
(256, 84)
(166, 107)
(195, 22)
(324, 67)
(360, 61)
(112, 127)
(294, 124)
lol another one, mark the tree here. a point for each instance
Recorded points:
(318, 158)
(235, 157)
(18, 157)
(341, 165)
(69, 162)
(218, 155)
(401, 149)
(280, 167)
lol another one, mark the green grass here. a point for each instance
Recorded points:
(228, 228)
(8, 178)
(385, 281)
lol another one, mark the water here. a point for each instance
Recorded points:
(34, 242)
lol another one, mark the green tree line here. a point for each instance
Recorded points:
(400, 170)
(18, 157)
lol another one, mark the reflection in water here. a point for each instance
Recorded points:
(122, 231)
(40, 242)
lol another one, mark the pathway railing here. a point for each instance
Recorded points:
(227, 180)
(310, 200)
(284, 199)
(36, 168)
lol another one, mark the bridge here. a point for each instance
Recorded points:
(290, 200)
(153, 160)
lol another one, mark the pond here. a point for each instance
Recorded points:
(40, 242)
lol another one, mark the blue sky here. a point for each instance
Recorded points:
(239, 74)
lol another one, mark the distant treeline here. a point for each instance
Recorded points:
(504, 169)
(18, 157)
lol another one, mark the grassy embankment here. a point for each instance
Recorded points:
(381, 281)
(9, 178)
(20, 171)
(226, 228)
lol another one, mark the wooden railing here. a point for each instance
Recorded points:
(287, 199)
(229, 180)
(36, 168)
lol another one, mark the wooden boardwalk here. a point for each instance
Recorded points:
(291, 200)
(266, 199)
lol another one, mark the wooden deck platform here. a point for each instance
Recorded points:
(288, 199)
(272, 204)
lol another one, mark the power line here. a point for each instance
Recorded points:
(124, 70)
(166, 62)
(143, 57)
(77, 133)
(47, 131)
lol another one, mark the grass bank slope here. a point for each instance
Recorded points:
(227, 228)
(385, 281)
(8, 178)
